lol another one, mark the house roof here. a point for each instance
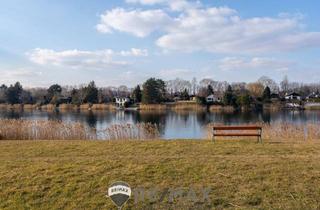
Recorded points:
(293, 94)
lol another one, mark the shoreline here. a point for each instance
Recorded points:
(174, 106)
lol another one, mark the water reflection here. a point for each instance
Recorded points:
(182, 124)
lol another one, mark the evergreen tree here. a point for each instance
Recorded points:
(13, 93)
(153, 91)
(229, 98)
(266, 96)
(244, 100)
(137, 94)
(90, 93)
(54, 93)
(209, 90)
(185, 95)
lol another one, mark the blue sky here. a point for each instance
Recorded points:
(126, 41)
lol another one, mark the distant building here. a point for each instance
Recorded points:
(212, 99)
(293, 96)
(122, 101)
(193, 98)
(313, 96)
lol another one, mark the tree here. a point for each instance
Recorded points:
(194, 85)
(13, 93)
(255, 89)
(75, 97)
(137, 94)
(266, 81)
(285, 84)
(54, 93)
(3, 89)
(26, 97)
(153, 91)
(209, 90)
(266, 96)
(244, 100)
(90, 93)
(229, 98)
(185, 95)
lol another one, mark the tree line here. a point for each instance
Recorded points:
(154, 91)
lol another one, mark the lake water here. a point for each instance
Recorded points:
(173, 125)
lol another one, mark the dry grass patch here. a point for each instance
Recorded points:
(76, 174)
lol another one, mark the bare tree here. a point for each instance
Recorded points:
(268, 82)
(285, 84)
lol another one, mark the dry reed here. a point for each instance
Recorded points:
(48, 107)
(67, 107)
(11, 129)
(85, 107)
(158, 107)
(103, 107)
(44, 130)
(188, 106)
(141, 131)
(220, 108)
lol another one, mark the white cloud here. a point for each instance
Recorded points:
(135, 52)
(20, 73)
(82, 59)
(221, 30)
(210, 29)
(27, 77)
(256, 63)
(137, 22)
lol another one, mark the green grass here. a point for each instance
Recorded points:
(76, 174)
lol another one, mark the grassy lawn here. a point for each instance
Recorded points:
(242, 175)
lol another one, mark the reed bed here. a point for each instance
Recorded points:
(43, 130)
(146, 107)
(11, 129)
(30, 106)
(283, 132)
(67, 107)
(85, 107)
(103, 107)
(220, 108)
(188, 106)
(141, 131)
(48, 107)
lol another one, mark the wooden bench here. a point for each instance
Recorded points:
(256, 131)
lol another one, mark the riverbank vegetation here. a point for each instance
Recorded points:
(258, 95)
(57, 130)
(241, 175)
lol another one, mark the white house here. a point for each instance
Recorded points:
(212, 98)
(293, 96)
(122, 101)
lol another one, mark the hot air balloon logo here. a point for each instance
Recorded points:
(119, 193)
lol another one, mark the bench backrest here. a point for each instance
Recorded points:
(249, 127)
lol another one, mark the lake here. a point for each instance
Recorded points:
(173, 125)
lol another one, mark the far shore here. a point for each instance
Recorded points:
(174, 106)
